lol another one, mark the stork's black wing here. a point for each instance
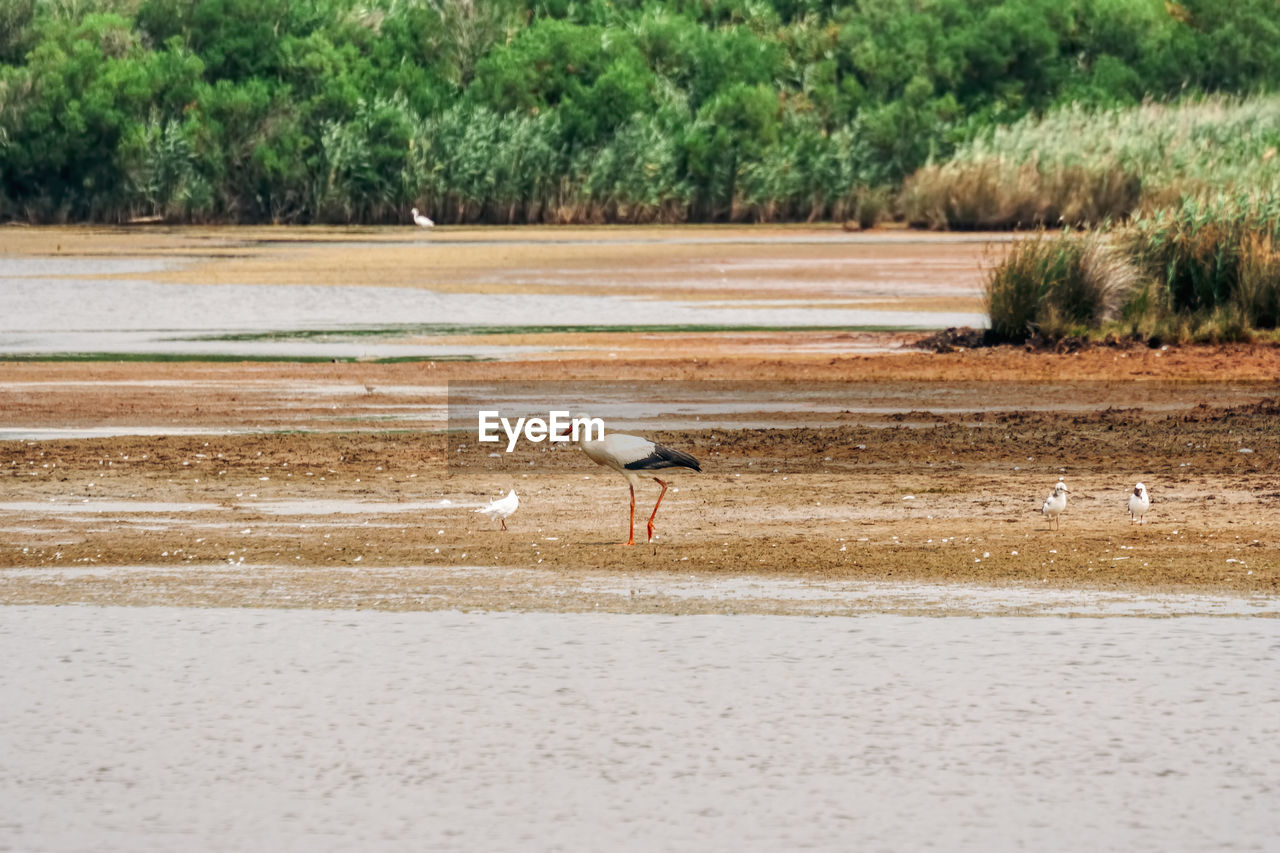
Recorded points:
(664, 457)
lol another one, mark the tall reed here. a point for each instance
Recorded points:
(1081, 167)
(1207, 255)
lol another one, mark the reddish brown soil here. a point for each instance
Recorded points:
(812, 502)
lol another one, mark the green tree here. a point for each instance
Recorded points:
(68, 108)
(595, 77)
(253, 150)
(734, 127)
(16, 33)
(365, 163)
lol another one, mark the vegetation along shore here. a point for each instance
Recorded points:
(514, 111)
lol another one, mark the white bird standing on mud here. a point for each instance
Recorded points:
(1055, 503)
(1139, 503)
(502, 508)
(419, 219)
(634, 457)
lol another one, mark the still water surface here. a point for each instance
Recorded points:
(162, 729)
(52, 305)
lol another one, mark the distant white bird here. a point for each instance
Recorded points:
(634, 457)
(1055, 503)
(421, 220)
(1139, 503)
(502, 508)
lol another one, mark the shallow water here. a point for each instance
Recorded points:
(129, 509)
(860, 597)
(57, 433)
(633, 403)
(63, 305)
(72, 315)
(534, 589)
(288, 403)
(159, 729)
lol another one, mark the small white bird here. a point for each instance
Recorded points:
(502, 508)
(1139, 503)
(634, 457)
(421, 220)
(1055, 503)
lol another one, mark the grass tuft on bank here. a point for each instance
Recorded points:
(1202, 271)
(1055, 285)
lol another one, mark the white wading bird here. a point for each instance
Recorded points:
(1139, 503)
(421, 220)
(634, 457)
(1055, 503)
(502, 508)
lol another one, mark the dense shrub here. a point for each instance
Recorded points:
(630, 110)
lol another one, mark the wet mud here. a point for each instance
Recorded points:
(950, 497)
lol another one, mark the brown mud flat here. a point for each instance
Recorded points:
(924, 496)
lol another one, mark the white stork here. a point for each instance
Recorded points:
(1139, 503)
(419, 219)
(634, 457)
(1055, 503)
(502, 508)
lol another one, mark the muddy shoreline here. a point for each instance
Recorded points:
(941, 498)
(901, 465)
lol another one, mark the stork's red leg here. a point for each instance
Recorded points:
(655, 506)
(504, 523)
(631, 539)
